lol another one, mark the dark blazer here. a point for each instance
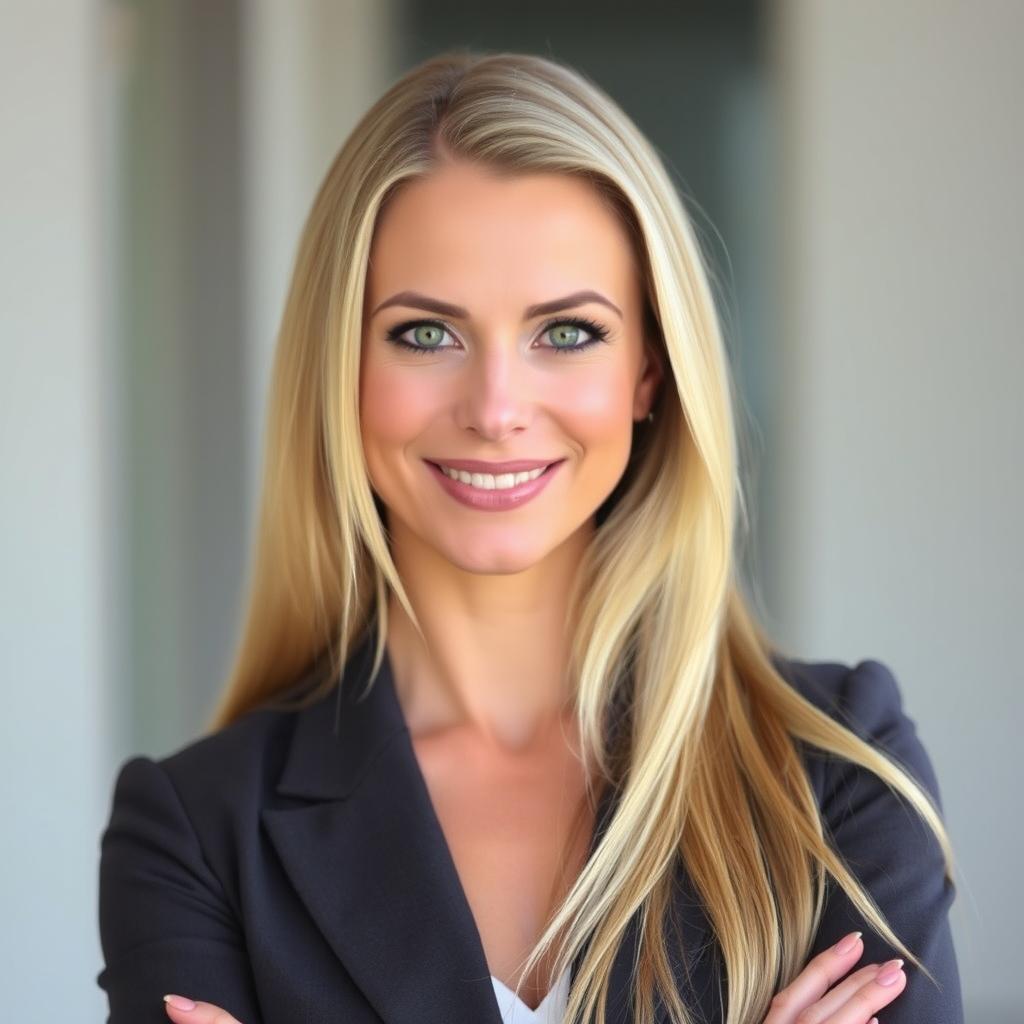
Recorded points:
(292, 874)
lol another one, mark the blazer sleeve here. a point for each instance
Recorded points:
(891, 851)
(165, 924)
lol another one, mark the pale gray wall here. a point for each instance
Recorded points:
(146, 152)
(900, 493)
(57, 611)
(310, 70)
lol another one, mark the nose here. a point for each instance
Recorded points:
(497, 392)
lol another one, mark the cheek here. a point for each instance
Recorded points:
(597, 407)
(395, 406)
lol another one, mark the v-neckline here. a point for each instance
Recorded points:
(353, 795)
(606, 802)
(520, 1013)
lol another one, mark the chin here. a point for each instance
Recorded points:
(484, 557)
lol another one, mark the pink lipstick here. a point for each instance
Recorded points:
(496, 499)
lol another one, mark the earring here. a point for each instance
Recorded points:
(650, 417)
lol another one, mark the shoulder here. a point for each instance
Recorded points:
(865, 694)
(891, 851)
(868, 700)
(216, 784)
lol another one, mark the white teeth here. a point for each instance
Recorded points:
(488, 482)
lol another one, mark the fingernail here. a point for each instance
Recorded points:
(874, 1020)
(180, 1002)
(889, 973)
(845, 945)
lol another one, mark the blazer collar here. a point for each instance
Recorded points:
(337, 739)
(367, 856)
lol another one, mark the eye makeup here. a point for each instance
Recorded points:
(598, 334)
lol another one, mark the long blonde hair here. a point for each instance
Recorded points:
(712, 752)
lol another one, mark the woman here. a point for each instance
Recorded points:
(502, 735)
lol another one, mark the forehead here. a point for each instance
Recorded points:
(472, 232)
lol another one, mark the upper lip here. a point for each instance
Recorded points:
(495, 468)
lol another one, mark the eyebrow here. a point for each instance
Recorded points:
(418, 301)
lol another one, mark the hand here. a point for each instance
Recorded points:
(201, 1013)
(853, 1001)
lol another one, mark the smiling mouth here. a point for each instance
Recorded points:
(494, 481)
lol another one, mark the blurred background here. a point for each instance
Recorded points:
(854, 170)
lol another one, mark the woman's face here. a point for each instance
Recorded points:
(460, 264)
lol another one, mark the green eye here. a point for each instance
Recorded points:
(564, 335)
(428, 335)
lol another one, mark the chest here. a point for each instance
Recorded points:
(518, 828)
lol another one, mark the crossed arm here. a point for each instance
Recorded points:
(166, 925)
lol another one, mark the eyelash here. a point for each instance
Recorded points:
(598, 333)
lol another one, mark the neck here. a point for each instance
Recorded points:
(497, 646)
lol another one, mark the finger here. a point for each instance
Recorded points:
(201, 1013)
(814, 981)
(870, 998)
(838, 996)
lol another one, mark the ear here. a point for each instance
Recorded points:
(652, 371)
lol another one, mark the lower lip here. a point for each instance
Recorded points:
(495, 500)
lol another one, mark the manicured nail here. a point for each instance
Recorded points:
(180, 1002)
(845, 945)
(889, 973)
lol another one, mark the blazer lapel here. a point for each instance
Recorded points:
(360, 841)
(367, 857)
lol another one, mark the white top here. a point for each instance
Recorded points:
(550, 1011)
